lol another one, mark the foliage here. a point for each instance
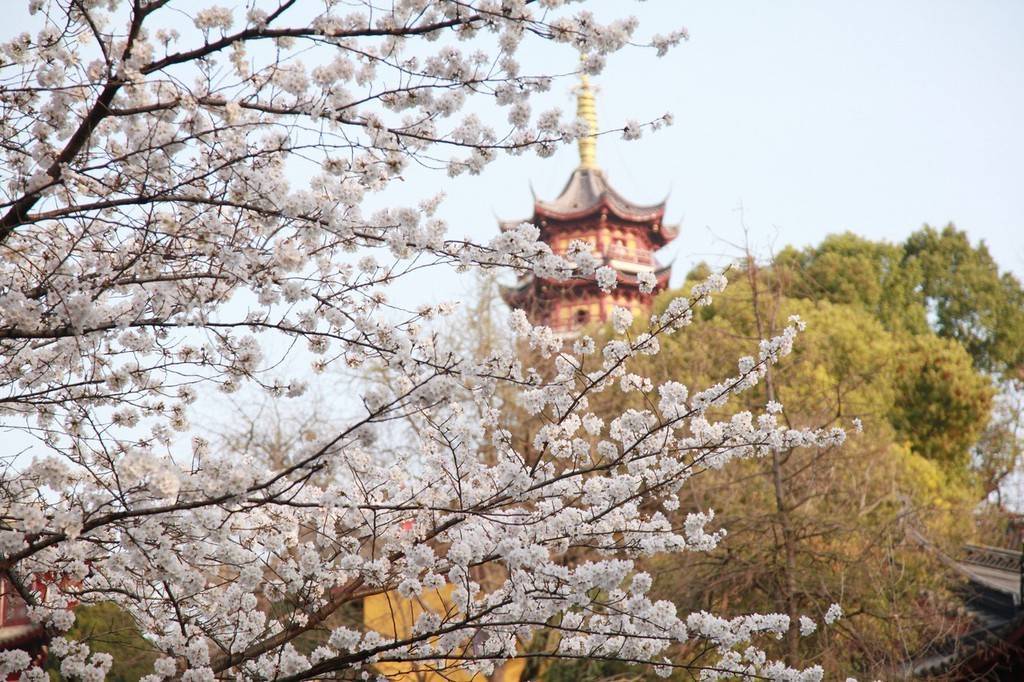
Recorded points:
(813, 526)
(849, 269)
(942, 406)
(937, 282)
(106, 628)
(934, 280)
(972, 302)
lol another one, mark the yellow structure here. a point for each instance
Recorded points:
(586, 109)
(393, 616)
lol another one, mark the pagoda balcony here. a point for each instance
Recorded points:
(567, 329)
(625, 259)
(625, 253)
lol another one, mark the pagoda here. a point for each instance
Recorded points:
(621, 234)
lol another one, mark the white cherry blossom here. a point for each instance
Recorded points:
(184, 191)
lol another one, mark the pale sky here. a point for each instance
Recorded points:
(815, 117)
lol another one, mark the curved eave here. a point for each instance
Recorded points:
(566, 283)
(588, 191)
(516, 295)
(15, 636)
(667, 233)
(976, 649)
(661, 277)
(522, 292)
(506, 225)
(636, 214)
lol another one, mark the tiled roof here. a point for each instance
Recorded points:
(993, 602)
(587, 190)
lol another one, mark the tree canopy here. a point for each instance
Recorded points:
(871, 524)
(935, 280)
(807, 526)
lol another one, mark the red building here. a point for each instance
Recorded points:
(622, 235)
(17, 631)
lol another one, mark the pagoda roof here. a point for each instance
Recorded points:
(21, 635)
(588, 191)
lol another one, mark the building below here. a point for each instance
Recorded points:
(17, 631)
(621, 234)
(395, 616)
(991, 647)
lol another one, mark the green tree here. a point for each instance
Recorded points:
(936, 280)
(107, 628)
(849, 269)
(837, 529)
(970, 300)
(942, 406)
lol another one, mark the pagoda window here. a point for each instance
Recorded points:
(581, 316)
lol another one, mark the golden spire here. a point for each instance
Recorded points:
(586, 110)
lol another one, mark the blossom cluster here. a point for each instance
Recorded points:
(158, 245)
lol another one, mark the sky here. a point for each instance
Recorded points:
(795, 120)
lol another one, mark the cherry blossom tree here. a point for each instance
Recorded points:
(184, 188)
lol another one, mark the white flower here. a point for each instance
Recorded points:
(834, 613)
(607, 278)
(622, 319)
(239, 212)
(214, 17)
(646, 281)
(583, 346)
(344, 639)
(593, 424)
(14, 660)
(165, 667)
